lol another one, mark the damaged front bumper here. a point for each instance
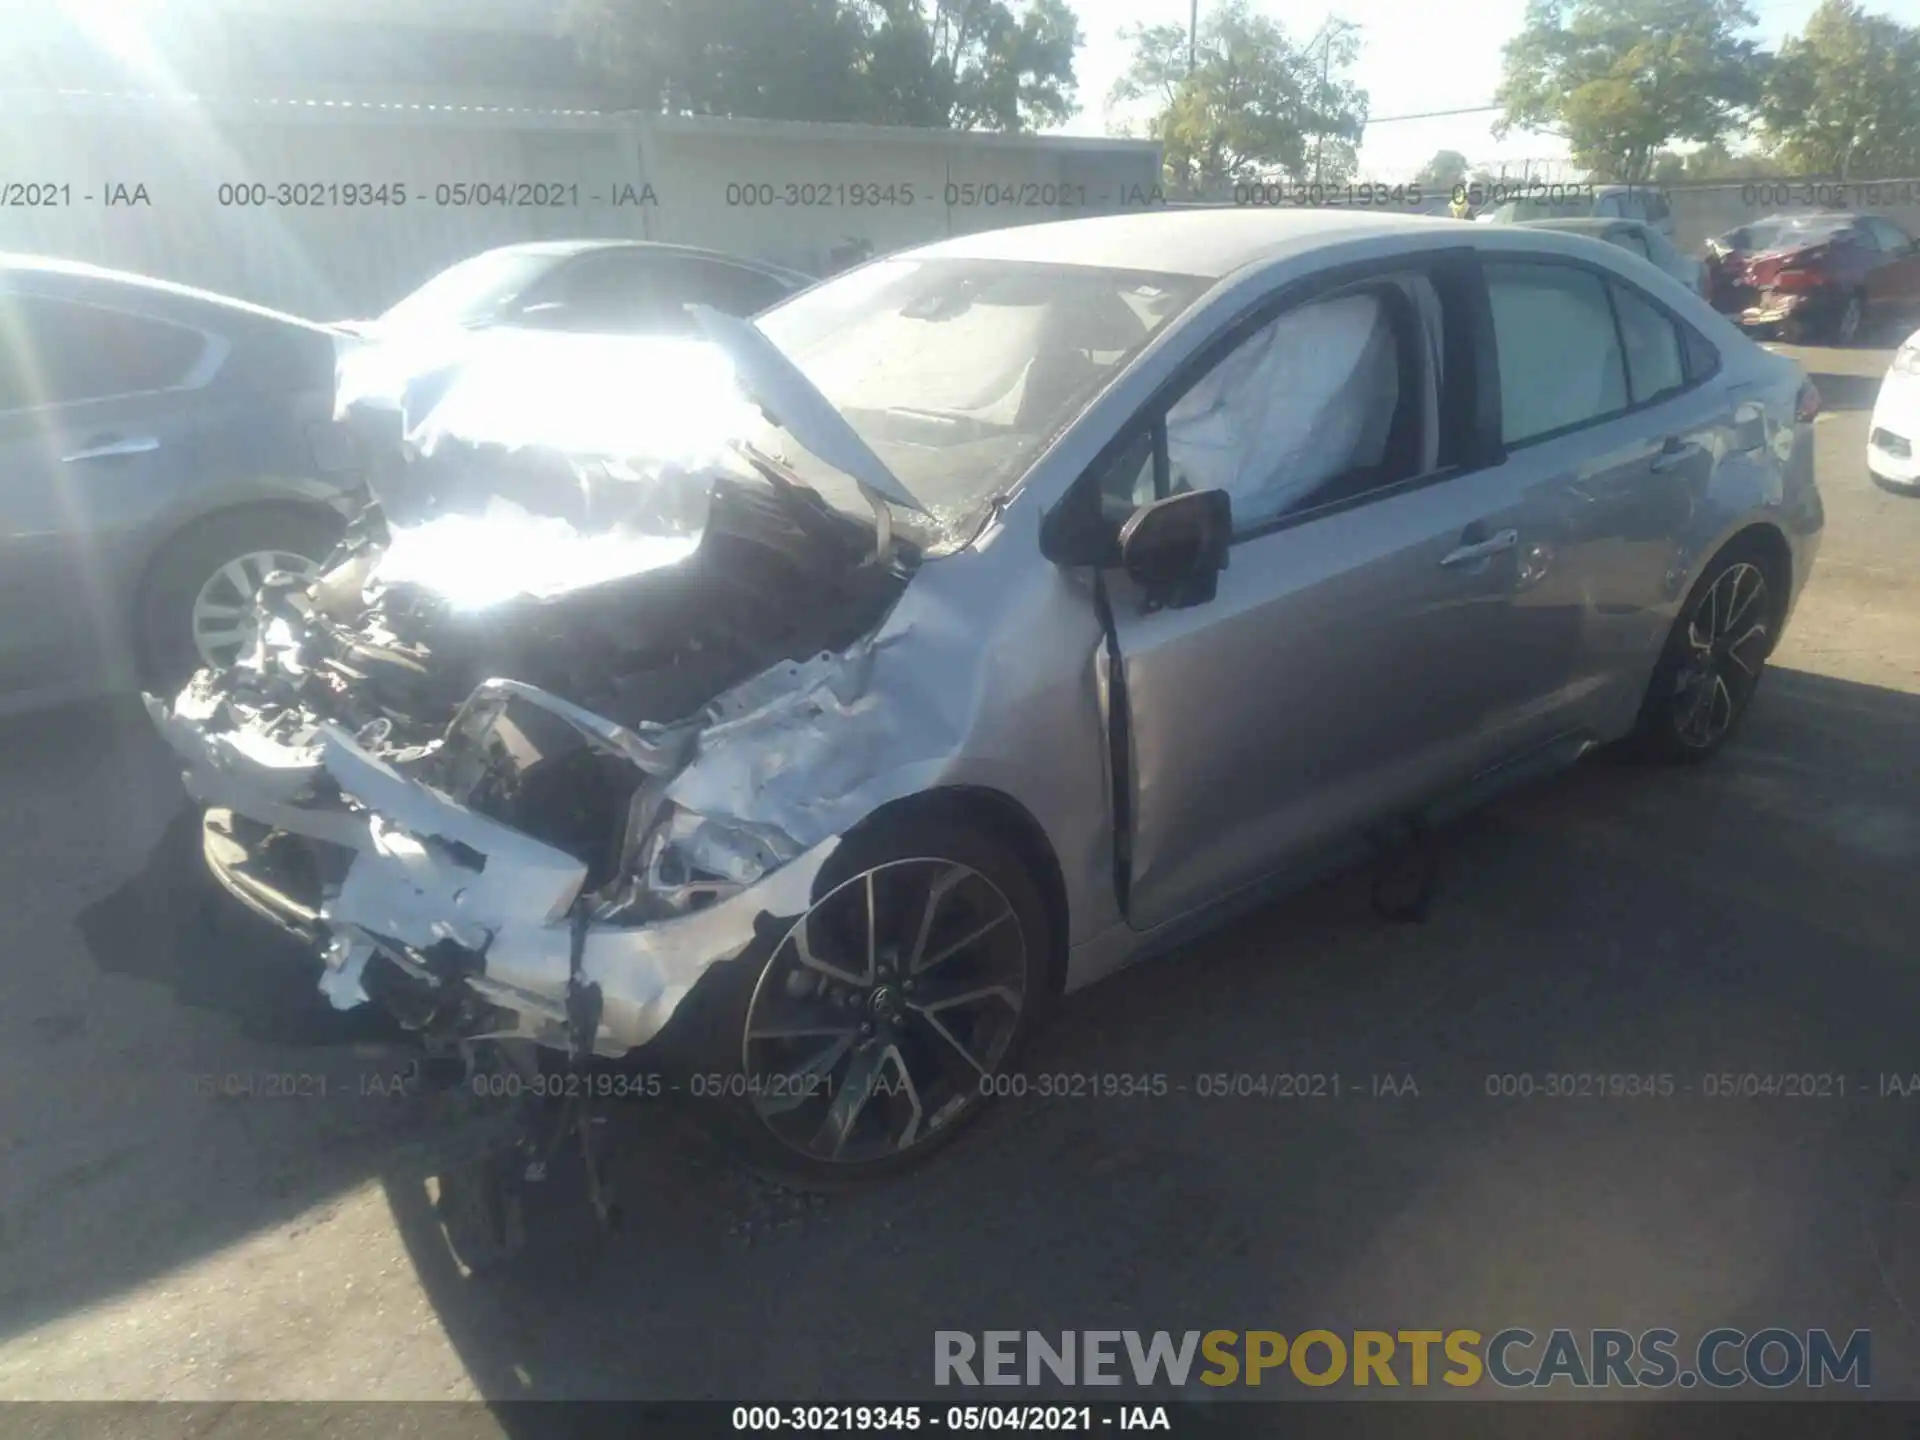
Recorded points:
(455, 921)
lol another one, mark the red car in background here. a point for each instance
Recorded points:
(1821, 277)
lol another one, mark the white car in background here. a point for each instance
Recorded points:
(1896, 422)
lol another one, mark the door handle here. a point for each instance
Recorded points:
(1673, 452)
(1473, 550)
(108, 447)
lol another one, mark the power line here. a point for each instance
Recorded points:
(1434, 114)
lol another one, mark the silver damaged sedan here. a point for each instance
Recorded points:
(808, 706)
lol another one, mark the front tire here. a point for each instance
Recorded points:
(1713, 661)
(873, 1031)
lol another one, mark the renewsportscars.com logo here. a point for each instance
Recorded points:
(1723, 1359)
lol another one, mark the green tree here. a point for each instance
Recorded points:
(1841, 99)
(971, 64)
(960, 64)
(1620, 79)
(1254, 106)
(1708, 163)
(1445, 170)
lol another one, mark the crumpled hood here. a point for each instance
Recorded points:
(520, 462)
(514, 463)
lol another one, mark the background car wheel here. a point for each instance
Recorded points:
(871, 1034)
(1714, 658)
(195, 604)
(1851, 322)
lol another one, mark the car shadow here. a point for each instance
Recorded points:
(1561, 912)
(1615, 918)
(1846, 392)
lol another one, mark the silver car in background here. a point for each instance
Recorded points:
(165, 449)
(1063, 589)
(1637, 239)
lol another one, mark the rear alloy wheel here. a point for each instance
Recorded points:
(1852, 317)
(1713, 663)
(881, 1019)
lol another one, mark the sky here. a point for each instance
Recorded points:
(1412, 61)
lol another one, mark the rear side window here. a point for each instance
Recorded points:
(56, 352)
(1656, 355)
(1889, 236)
(1561, 365)
(1630, 239)
(1657, 208)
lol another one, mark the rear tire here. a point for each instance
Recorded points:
(1850, 325)
(169, 649)
(1714, 659)
(920, 1020)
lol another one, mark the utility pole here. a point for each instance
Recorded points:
(1193, 31)
(1332, 28)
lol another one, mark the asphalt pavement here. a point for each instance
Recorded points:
(211, 1186)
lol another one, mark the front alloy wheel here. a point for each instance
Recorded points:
(883, 1015)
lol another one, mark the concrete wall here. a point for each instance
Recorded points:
(1703, 211)
(786, 193)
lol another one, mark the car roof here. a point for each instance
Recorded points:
(78, 280)
(1824, 217)
(1586, 224)
(563, 249)
(1206, 242)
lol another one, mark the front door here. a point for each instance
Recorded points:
(1358, 656)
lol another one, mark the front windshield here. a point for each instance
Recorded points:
(958, 373)
(471, 292)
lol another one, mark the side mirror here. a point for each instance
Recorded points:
(1174, 549)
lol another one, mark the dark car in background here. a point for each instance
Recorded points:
(165, 449)
(1825, 276)
(607, 286)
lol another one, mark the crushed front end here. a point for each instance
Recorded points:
(450, 763)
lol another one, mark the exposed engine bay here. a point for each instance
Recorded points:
(563, 726)
(449, 762)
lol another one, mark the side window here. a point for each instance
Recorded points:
(1560, 360)
(732, 288)
(1702, 358)
(612, 291)
(1892, 238)
(1656, 363)
(55, 352)
(1657, 207)
(1327, 401)
(1609, 207)
(1865, 236)
(1627, 238)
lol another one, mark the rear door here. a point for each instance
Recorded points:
(1359, 656)
(1609, 415)
(96, 420)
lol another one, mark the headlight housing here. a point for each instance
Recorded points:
(1906, 360)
